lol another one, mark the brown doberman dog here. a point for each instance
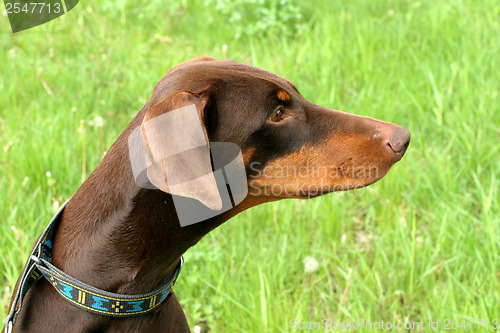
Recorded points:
(117, 236)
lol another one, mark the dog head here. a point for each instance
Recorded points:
(291, 148)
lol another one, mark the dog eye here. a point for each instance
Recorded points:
(277, 116)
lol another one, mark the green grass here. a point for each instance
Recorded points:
(420, 245)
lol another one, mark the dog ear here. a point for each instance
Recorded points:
(177, 149)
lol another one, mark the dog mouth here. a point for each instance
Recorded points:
(314, 192)
(315, 181)
(352, 182)
(308, 191)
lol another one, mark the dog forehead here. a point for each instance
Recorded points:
(236, 79)
(226, 71)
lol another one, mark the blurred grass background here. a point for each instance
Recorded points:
(422, 244)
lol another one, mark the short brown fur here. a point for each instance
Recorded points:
(122, 238)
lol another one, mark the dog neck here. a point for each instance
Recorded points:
(119, 237)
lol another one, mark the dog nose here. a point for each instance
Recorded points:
(400, 140)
